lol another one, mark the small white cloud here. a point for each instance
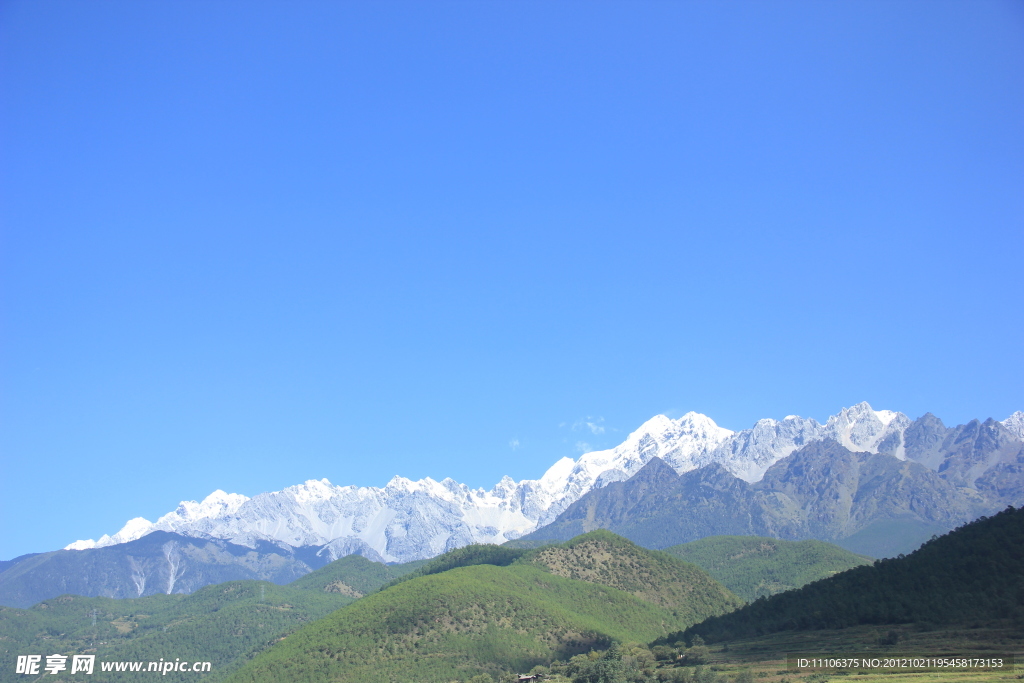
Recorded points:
(583, 447)
(592, 424)
(513, 444)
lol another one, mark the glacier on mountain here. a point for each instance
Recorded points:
(409, 520)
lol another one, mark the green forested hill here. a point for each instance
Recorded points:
(607, 559)
(223, 624)
(973, 573)
(466, 556)
(460, 623)
(485, 609)
(354, 576)
(756, 566)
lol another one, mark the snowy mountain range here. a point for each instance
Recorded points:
(409, 520)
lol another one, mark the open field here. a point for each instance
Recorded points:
(766, 656)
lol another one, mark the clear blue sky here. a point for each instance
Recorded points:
(248, 244)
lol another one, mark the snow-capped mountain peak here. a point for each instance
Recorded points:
(557, 474)
(134, 528)
(699, 423)
(861, 428)
(313, 490)
(407, 520)
(1015, 423)
(886, 416)
(217, 503)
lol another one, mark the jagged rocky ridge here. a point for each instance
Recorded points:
(878, 503)
(409, 520)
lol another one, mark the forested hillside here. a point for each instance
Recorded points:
(756, 566)
(354, 576)
(223, 624)
(973, 573)
(466, 621)
(602, 557)
(493, 610)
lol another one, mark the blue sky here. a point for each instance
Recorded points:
(249, 244)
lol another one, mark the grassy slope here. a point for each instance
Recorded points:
(766, 656)
(754, 566)
(766, 659)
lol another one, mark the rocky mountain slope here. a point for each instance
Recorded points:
(936, 479)
(160, 562)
